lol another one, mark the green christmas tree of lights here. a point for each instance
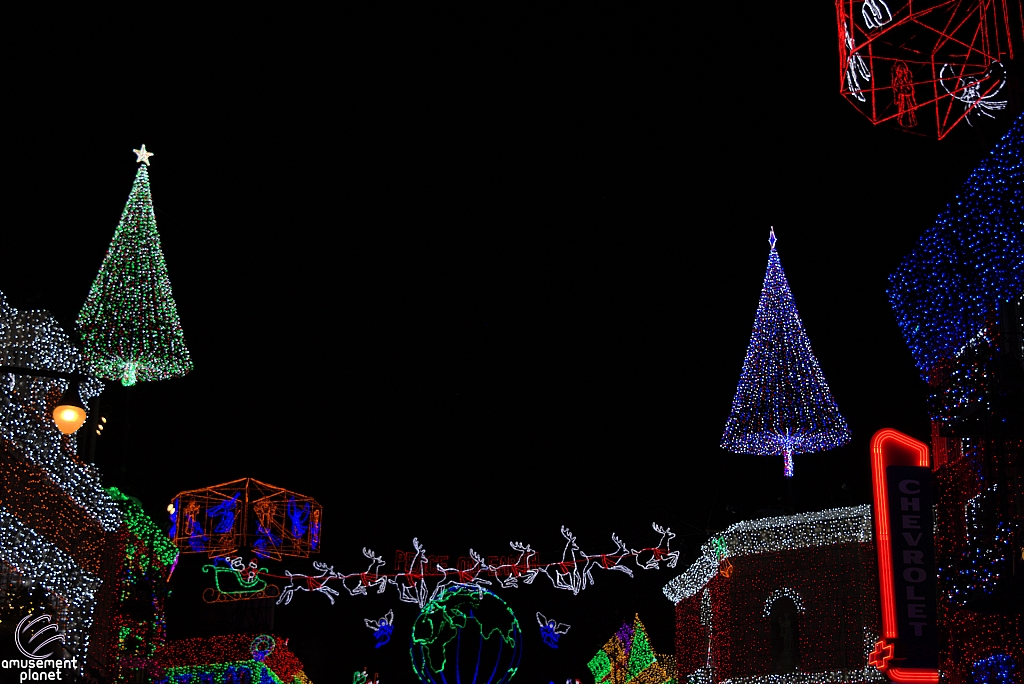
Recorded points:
(129, 323)
(641, 656)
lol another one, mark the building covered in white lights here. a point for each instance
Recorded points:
(785, 599)
(63, 536)
(54, 514)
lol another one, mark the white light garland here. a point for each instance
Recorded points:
(36, 559)
(766, 535)
(786, 592)
(34, 339)
(706, 614)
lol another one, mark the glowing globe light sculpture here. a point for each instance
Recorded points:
(782, 405)
(466, 634)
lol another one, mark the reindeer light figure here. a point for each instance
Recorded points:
(369, 578)
(412, 588)
(415, 585)
(658, 554)
(521, 568)
(468, 576)
(605, 560)
(310, 583)
(567, 573)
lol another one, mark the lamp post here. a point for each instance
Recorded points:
(69, 414)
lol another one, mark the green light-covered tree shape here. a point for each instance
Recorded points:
(640, 654)
(129, 323)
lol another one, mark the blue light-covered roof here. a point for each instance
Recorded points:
(968, 262)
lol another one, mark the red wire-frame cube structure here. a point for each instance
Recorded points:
(246, 514)
(927, 65)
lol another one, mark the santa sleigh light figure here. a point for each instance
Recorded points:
(227, 520)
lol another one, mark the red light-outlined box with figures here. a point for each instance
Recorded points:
(927, 66)
(246, 515)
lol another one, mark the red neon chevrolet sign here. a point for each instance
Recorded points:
(903, 532)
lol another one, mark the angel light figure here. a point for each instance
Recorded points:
(550, 631)
(382, 628)
(976, 92)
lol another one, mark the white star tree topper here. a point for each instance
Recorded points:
(142, 155)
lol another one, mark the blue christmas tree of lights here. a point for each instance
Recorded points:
(782, 405)
(972, 259)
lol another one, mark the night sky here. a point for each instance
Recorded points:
(474, 290)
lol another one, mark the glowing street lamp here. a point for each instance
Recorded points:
(69, 414)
